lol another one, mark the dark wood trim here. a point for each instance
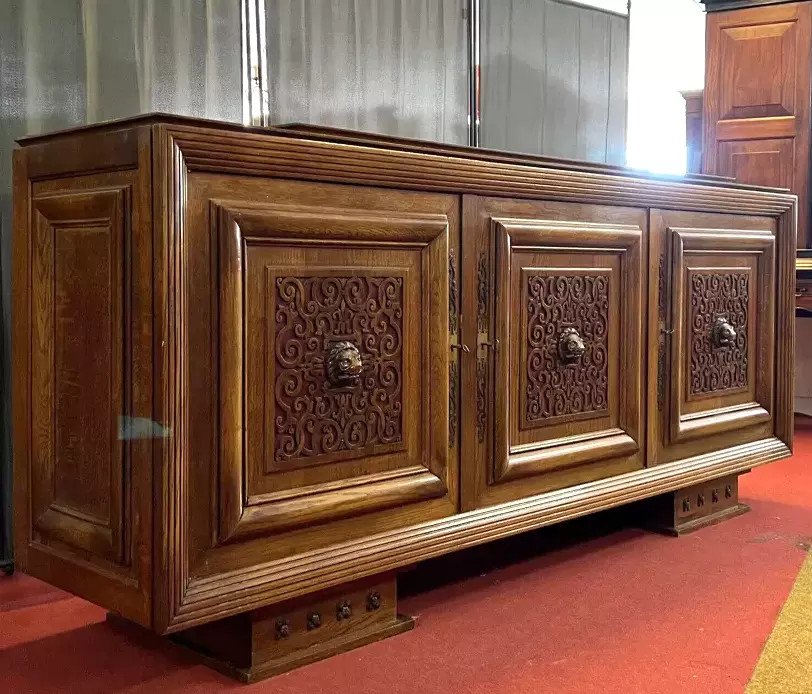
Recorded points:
(721, 5)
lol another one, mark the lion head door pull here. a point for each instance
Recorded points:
(571, 345)
(723, 334)
(344, 365)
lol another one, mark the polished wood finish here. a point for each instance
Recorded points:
(541, 421)
(688, 510)
(757, 99)
(83, 375)
(711, 268)
(312, 359)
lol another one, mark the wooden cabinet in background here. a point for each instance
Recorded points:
(693, 130)
(259, 371)
(758, 86)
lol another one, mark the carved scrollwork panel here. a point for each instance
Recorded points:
(453, 318)
(555, 386)
(663, 331)
(319, 319)
(481, 398)
(482, 293)
(453, 402)
(718, 299)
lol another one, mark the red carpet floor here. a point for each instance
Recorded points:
(623, 611)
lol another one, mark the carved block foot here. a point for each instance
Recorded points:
(692, 508)
(266, 642)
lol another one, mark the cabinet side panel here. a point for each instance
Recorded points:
(82, 397)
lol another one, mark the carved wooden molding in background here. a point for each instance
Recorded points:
(556, 387)
(483, 325)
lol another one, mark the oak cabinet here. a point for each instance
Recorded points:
(255, 365)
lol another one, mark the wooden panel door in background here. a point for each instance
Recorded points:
(557, 375)
(712, 337)
(757, 99)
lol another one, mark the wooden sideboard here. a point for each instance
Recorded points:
(257, 372)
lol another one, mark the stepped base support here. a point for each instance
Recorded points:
(692, 508)
(266, 642)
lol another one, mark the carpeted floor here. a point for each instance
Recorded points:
(785, 665)
(593, 607)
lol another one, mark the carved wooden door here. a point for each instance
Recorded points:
(336, 320)
(319, 321)
(556, 377)
(712, 334)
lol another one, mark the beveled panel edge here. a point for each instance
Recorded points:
(275, 516)
(728, 418)
(230, 593)
(555, 235)
(723, 419)
(610, 443)
(252, 154)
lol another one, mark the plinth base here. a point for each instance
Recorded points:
(692, 508)
(266, 642)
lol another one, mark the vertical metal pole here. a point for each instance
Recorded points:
(256, 110)
(473, 72)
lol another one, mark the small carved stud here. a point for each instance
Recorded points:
(686, 505)
(373, 601)
(715, 496)
(343, 610)
(282, 628)
(728, 491)
(313, 621)
(700, 499)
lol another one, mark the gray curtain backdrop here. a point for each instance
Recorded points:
(397, 67)
(554, 79)
(69, 62)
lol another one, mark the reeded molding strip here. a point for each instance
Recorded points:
(232, 592)
(252, 154)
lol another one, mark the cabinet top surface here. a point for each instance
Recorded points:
(350, 137)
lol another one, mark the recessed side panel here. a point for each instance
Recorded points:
(84, 431)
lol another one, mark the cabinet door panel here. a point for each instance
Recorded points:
(84, 412)
(757, 98)
(336, 322)
(716, 334)
(566, 392)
